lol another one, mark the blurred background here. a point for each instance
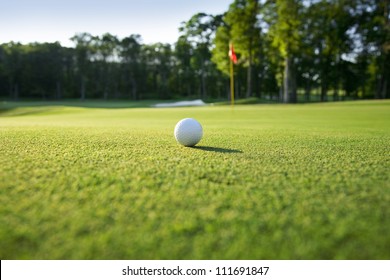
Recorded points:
(288, 50)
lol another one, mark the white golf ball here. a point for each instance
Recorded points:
(188, 132)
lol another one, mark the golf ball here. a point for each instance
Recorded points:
(188, 132)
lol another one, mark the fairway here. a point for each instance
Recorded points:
(309, 181)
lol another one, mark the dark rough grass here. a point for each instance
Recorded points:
(266, 182)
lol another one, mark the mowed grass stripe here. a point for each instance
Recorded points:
(267, 181)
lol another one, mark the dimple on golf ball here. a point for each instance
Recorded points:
(188, 132)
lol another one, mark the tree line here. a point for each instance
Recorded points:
(288, 50)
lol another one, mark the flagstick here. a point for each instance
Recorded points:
(231, 83)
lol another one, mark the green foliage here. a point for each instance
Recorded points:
(241, 29)
(265, 182)
(130, 50)
(194, 53)
(220, 52)
(244, 30)
(157, 60)
(286, 36)
(286, 31)
(374, 27)
(337, 47)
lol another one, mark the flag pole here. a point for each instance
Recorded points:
(231, 83)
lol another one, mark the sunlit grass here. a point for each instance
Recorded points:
(266, 182)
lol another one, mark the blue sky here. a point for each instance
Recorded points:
(58, 20)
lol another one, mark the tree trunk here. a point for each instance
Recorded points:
(286, 82)
(11, 88)
(249, 79)
(82, 89)
(325, 61)
(289, 85)
(293, 94)
(336, 94)
(204, 93)
(382, 91)
(281, 89)
(106, 86)
(383, 87)
(385, 56)
(58, 90)
(105, 94)
(163, 84)
(259, 89)
(324, 90)
(16, 92)
(133, 87)
(307, 92)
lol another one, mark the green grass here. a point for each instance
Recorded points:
(266, 182)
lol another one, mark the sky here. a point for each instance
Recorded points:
(28, 21)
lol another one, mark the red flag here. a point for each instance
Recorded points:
(232, 54)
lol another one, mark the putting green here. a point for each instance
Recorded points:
(265, 182)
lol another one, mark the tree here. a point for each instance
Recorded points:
(221, 49)
(13, 64)
(382, 13)
(42, 74)
(335, 46)
(286, 37)
(83, 49)
(327, 30)
(185, 84)
(157, 59)
(373, 18)
(245, 33)
(106, 53)
(130, 49)
(197, 35)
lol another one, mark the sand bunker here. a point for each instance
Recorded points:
(197, 102)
